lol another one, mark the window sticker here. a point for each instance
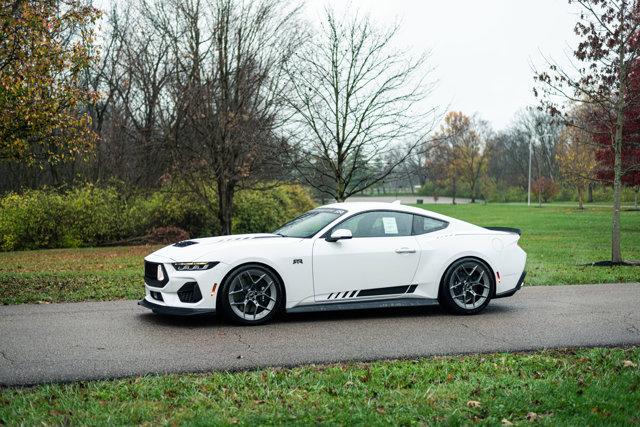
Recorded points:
(390, 225)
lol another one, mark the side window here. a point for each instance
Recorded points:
(379, 224)
(424, 224)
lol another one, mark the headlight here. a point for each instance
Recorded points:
(193, 266)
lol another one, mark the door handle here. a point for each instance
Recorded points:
(405, 251)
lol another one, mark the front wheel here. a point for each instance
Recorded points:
(251, 295)
(466, 286)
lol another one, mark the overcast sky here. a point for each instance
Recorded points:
(483, 51)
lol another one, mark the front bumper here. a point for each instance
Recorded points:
(510, 292)
(175, 311)
(182, 292)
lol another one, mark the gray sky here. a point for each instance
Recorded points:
(482, 50)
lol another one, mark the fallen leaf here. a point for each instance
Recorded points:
(532, 416)
(473, 404)
(629, 364)
(506, 422)
(380, 410)
(449, 378)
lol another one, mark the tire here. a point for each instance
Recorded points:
(467, 286)
(251, 295)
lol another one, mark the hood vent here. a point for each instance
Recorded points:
(185, 243)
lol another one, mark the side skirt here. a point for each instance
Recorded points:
(360, 305)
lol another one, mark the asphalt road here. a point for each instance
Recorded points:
(66, 342)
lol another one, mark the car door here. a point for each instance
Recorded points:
(381, 258)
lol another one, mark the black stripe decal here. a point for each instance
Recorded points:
(411, 289)
(383, 291)
(353, 294)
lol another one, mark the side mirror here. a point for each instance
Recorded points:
(339, 234)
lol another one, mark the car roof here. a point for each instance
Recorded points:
(353, 207)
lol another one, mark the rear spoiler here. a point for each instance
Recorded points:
(506, 230)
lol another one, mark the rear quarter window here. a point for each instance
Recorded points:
(425, 224)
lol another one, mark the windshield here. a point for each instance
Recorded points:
(309, 223)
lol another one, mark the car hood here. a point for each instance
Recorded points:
(214, 248)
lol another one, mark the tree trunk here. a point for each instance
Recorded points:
(453, 191)
(539, 195)
(580, 203)
(590, 193)
(340, 188)
(225, 205)
(635, 197)
(616, 254)
(473, 194)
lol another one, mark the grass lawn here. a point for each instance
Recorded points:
(558, 239)
(57, 275)
(578, 387)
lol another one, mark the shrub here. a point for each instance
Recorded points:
(93, 216)
(508, 194)
(444, 190)
(165, 235)
(545, 188)
(32, 220)
(265, 210)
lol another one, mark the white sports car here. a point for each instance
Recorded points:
(341, 256)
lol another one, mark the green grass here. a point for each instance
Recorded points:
(58, 275)
(580, 387)
(559, 240)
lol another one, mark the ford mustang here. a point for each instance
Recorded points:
(340, 256)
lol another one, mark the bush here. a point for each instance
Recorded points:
(165, 235)
(265, 210)
(509, 194)
(32, 221)
(93, 216)
(545, 188)
(430, 189)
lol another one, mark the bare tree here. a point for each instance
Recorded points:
(509, 161)
(355, 99)
(195, 90)
(132, 114)
(412, 171)
(608, 56)
(232, 96)
(542, 131)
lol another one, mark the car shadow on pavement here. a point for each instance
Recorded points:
(209, 320)
(197, 321)
(373, 313)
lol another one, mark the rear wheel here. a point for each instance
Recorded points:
(251, 295)
(467, 286)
